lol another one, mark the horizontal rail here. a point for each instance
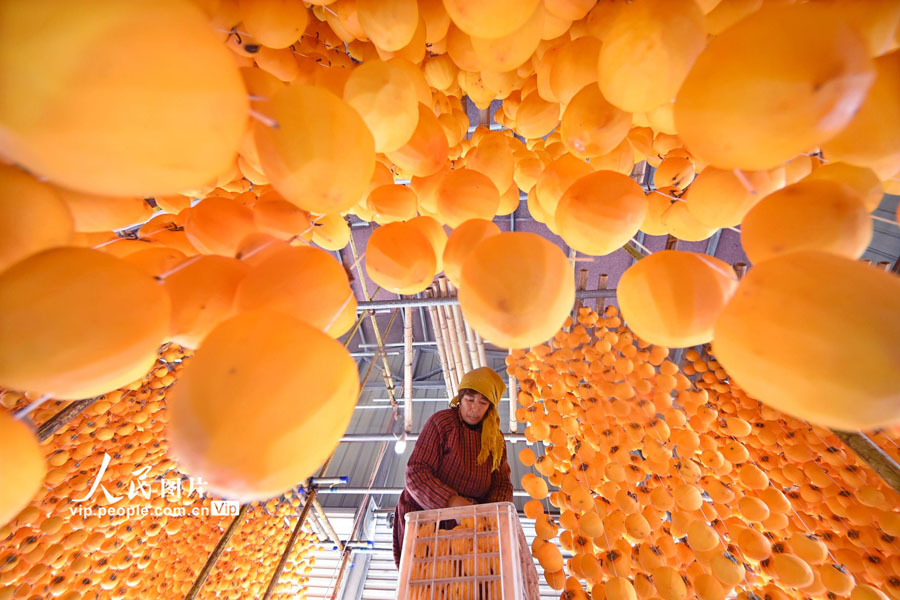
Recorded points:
(388, 304)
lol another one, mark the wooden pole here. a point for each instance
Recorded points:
(57, 421)
(634, 252)
(671, 242)
(469, 335)
(448, 347)
(481, 353)
(601, 285)
(513, 396)
(581, 284)
(356, 327)
(439, 339)
(407, 369)
(362, 385)
(472, 345)
(451, 329)
(310, 496)
(386, 367)
(869, 452)
(326, 523)
(457, 320)
(216, 553)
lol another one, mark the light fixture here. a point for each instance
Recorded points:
(400, 444)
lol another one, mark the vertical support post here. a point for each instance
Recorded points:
(407, 369)
(216, 553)
(484, 117)
(454, 351)
(601, 285)
(513, 397)
(581, 284)
(468, 335)
(464, 355)
(310, 496)
(671, 242)
(442, 350)
(472, 345)
(482, 357)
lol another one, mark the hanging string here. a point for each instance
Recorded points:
(744, 181)
(883, 220)
(339, 312)
(267, 121)
(27, 410)
(641, 246)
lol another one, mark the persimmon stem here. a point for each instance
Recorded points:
(744, 181)
(179, 267)
(267, 121)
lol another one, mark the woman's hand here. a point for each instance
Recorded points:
(458, 501)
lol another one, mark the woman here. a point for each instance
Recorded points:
(460, 457)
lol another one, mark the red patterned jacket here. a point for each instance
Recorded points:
(444, 463)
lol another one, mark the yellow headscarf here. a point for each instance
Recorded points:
(486, 381)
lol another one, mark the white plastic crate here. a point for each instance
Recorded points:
(485, 557)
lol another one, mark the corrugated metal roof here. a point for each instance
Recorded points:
(885, 245)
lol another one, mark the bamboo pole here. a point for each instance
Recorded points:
(580, 285)
(481, 353)
(457, 318)
(362, 386)
(386, 368)
(442, 352)
(448, 348)
(632, 251)
(602, 282)
(884, 265)
(326, 523)
(407, 370)
(469, 336)
(216, 553)
(671, 242)
(869, 452)
(451, 330)
(57, 421)
(740, 269)
(513, 396)
(472, 344)
(310, 497)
